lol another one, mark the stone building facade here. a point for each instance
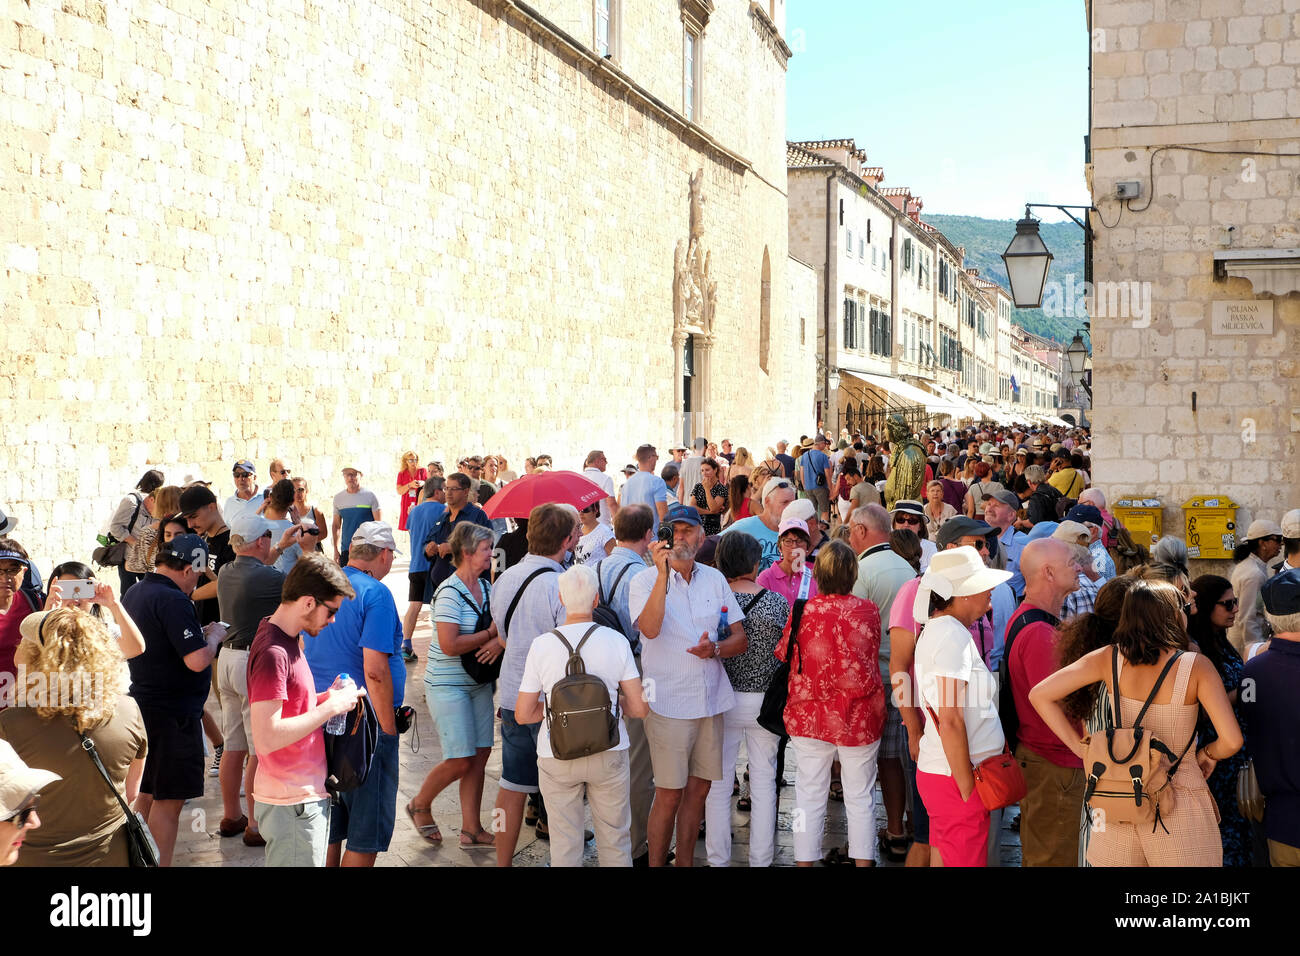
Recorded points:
(1196, 327)
(330, 232)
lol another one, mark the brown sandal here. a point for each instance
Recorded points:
(479, 841)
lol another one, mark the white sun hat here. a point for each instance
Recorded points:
(957, 572)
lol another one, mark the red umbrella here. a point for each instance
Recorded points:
(521, 496)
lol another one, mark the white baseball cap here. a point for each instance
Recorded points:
(18, 781)
(376, 533)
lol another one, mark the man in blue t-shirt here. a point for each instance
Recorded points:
(815, 472)
(419, 523)
(647, 488)
(778, 493)
(364, 641)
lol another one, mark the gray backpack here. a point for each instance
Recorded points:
(579, 715)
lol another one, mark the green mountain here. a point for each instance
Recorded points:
(985, 241)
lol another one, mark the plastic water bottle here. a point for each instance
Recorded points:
(339, 722)
(724, 629)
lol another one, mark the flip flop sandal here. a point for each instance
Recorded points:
(428, 831)
(894, 847)
(479, 841)
(837, 857)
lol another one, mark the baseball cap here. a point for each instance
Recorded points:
(348, 468)
(1071, 531)
(18, 781)
(1044, 529)
(629, 469)
(246, 465)
(1263, 528)
(1008, 498)
(378, 534)
(185, 547)
(686, 513)
(801, 509)
(793, 524)
(960, 527)
(249, 526)
(1291, 524)
(1087, 514)
(196, 497)
(1281, 593)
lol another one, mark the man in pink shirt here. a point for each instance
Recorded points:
(1049, 813)
(290, 799)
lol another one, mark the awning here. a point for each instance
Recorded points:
(972, 410)
(995, 414)
(910, 393)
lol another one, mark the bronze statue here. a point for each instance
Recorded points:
(906, 479)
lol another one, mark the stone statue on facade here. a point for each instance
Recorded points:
(906, 480)
(695, 291)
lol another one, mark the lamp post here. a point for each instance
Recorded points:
(1027, 257)
(833, 396)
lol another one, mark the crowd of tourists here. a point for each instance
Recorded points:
(953, 623)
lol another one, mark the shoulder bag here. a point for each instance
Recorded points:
(112, 553)
(141, 847)
(998, 779)
(479, 672)
(771, 715)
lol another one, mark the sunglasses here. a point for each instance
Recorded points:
(241, 474)
(1187, 608)
(330, 611)
(25, 814)
(1228, 605)
(907, 520)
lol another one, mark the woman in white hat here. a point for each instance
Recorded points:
(958, 697)
(1263, 543)
(20, 787)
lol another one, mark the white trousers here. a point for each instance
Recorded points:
(603, 778)
(742, 721)
(812, 784)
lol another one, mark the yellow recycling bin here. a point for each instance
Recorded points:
(1211, 527)
(1143, 517)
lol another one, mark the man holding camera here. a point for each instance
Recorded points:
(365, 641)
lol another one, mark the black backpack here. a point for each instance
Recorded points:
(580, 718)
(604, 614)
(1006, 700)
(348, 755)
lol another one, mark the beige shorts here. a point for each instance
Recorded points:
(232, 691)
(684, 748)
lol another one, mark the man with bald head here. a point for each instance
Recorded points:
(1049, 813)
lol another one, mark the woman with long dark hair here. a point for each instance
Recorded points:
(1216, 610)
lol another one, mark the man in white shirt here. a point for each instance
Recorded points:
(603, 776)
(247, 496)
(691, 471)
(681, 609)
(594, 469)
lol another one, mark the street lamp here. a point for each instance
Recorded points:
(1027, 257)
(1078, 356)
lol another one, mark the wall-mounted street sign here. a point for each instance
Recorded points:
(1242, 317)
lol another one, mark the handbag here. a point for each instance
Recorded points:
(771, 715)
(479, 672)
(141, 848)
(1250, 801)
(111, 553)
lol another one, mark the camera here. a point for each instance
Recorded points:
(666, 533)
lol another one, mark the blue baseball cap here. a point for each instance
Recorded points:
(686, 513)
(1087, 514)
(186, 547)
(1281, 593)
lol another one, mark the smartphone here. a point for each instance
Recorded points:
(77, 590)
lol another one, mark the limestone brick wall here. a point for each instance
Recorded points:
(1217, 75)
(334, 231)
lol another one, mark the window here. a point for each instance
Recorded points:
(691, 76)
(907, 255)
(606, 20)
(862, 249)
(873, 257)
(848, 244)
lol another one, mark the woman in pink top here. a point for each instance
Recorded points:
(836, 705)
(409, 480)
(790, 574)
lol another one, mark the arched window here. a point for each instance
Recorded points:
(765, 313)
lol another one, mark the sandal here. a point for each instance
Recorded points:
(479, 841)
(428, 831)
(531, 815)
(837, 857)
(894, 847)
(744, 805)
(837, 791)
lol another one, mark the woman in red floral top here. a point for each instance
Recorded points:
(836, 705)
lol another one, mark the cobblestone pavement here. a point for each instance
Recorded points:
(199, 844)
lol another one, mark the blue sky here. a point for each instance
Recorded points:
(979, 107)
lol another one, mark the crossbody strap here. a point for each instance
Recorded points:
(600, 585)
(1155, 688)
(464, 597)
(510, 611)
(757, 597)
(88, 745)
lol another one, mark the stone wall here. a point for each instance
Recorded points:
(1217, 75)
(334, 231)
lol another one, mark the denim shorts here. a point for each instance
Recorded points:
(518, 754)
(365, 816)
(462, 713)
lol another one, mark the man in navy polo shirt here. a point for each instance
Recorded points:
(1270, 717)
(365, 641)
(170, 682)
(459, 508)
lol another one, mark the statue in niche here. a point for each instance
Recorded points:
(695, 289)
